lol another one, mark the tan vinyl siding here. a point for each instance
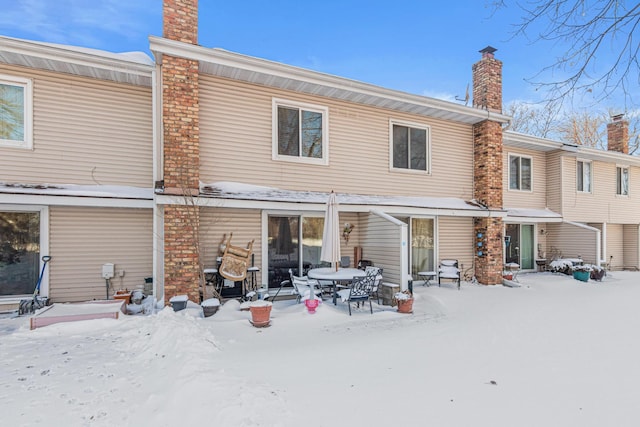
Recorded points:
(602, 204)
(615, 241)
(236, 144)
(537, 197)
(216, 223)
(83, 239)
(380, 241)
(455, 241)
(555, 182)
(631, 246)
(570, 241)
(86, 131)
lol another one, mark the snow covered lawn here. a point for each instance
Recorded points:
(554, 352)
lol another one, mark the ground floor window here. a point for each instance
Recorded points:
(19, 252)
(294, 242)
(519, 245)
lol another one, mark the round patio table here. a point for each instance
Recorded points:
(331, 276)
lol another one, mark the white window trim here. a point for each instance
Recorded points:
(628, 180)
(427, 128)
(509, 155)
(591, 180)
(276, 102)
(44, 241)
(27, 84)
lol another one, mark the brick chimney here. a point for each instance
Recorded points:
(487, 167)
(181, 142)
(487, 81)
(618, 134)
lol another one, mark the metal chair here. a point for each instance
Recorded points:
(448, 269)
(359, 291)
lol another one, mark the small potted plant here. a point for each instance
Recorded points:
(346, 231)
(405, 301)
(260, 313)
(582, 272)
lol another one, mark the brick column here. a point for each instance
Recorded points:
(618, 134)
(487, 173)
(181, 141)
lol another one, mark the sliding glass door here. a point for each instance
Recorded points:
(519, 245)
(19, 252)
(294, 242)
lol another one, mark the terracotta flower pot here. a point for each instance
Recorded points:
(260, 313)
(405, 305)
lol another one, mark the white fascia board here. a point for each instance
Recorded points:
(159, 46)
(530, 219)
(105, 202)
(320, 207)
(79, 57)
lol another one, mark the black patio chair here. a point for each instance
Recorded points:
(359, 291)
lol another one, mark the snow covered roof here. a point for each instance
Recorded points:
(242, 191)
(534, 215)
(78, 195)
(128, 67)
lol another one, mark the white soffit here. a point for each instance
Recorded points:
(131, 67)
(222, 63)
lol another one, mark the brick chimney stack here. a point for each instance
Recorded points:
(618, 134)
(181, 161)
(487, 167)
(487, 81)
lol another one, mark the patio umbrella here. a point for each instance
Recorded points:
(331, 234)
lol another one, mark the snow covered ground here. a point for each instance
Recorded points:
(554, 352)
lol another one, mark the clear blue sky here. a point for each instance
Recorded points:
(421, 47)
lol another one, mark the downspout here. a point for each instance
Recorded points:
(157, 150)
(603, 246)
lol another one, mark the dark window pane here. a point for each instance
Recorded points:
(288, 132)
(19, 252)
(418, 149)
(400, 138)
(311, 134)
(525, 173)
(579, 173)
(514, 173)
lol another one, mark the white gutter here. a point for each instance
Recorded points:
(79, 56)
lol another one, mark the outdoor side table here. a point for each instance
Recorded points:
(427, 276)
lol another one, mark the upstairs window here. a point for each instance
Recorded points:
(15, 112)
(519, 173)
(300, 132)
(410, 145)
(622, 181)
(583, 172)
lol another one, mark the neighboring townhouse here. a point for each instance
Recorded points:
(259, 146)
(76, 170)
(571, 201)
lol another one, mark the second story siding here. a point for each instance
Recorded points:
(85, 131)
(523, 197)
(601, 203)
(236, 145)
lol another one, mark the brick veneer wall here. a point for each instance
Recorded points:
(181, 133)
(618, 135)
(487, 167)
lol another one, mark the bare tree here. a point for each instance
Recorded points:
(590, 28)
(584, 128)
(532, 118)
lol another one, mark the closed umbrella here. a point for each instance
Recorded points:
(331, 234)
